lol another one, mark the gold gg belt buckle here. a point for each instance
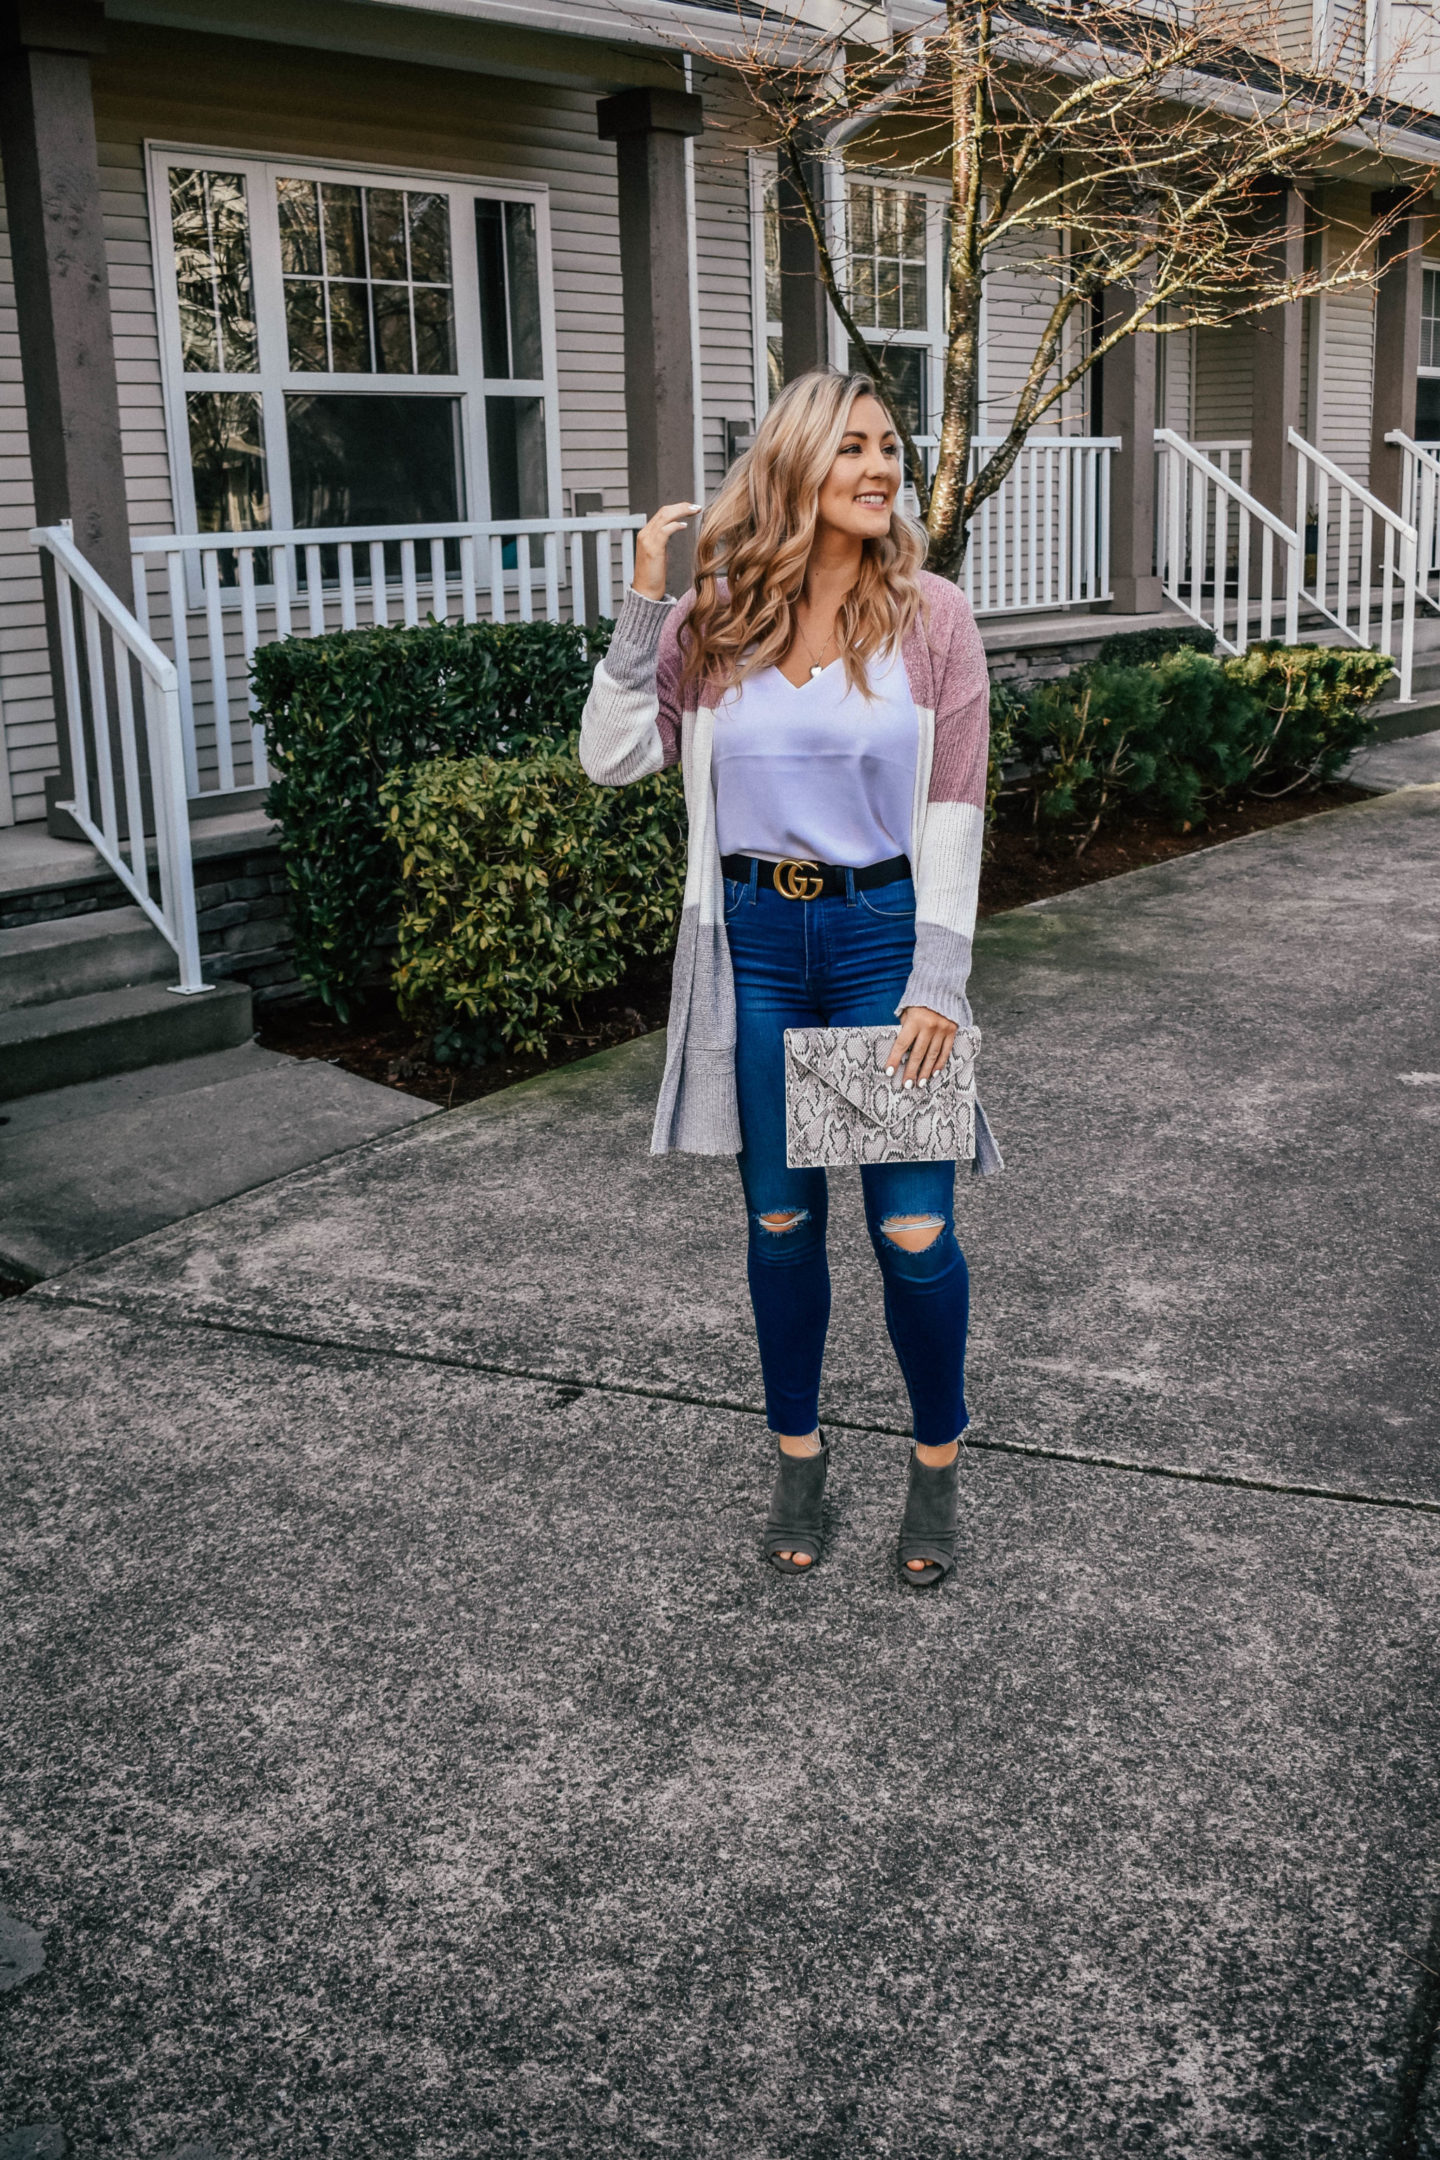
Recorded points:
(799, 880)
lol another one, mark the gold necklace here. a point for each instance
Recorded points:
(817, 670)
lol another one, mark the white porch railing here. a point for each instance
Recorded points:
(1230, 563)
(213, 598)
(1342, 517)
(1420, 500)
(105, 657)
(1042, 540)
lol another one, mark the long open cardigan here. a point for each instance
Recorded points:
(637, 721)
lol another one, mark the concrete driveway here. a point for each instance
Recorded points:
(406, 1753)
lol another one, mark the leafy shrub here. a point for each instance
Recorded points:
(342, 711)
(1185, 731)
(1132, 648)
(525, 886)
(1006, 708)
(1312, 706)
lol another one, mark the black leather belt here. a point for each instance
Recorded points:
(798, 878)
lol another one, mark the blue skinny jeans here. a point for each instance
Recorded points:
(839, 962)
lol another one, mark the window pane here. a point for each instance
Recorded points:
(862, 283)
(862, 219)
(515, 448)
(887, 296)
(905, 365)
(199, 330)
(914, 231)
(344, 232)
(392, 329)
(1427, 409)
(770, 227)
(774, 366)
(385, 216)
(211, 226)
(349, 330)
(887, 222)
(912, 296)
(434, 331)
(374, 460)
(494, 324)
(227, 458)
(299, 227)
(429, 239)
(524, 267)
(305, 325)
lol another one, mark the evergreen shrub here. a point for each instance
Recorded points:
(341, 712)
(526, 886)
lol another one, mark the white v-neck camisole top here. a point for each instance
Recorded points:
(817, 771)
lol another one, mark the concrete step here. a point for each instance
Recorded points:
(1420, 717)
(84, 1169)
(79, 955)
(113, 1031)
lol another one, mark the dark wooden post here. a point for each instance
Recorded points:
(804, 310)
(1397, 342)
(648, 129)
(1275, 402)
(62, 298)
(1127, 409)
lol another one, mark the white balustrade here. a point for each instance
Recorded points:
(214, 598)
(1420, 502)
(1224, 558)
(1042, 540)
(125, 762)
(1370, 602)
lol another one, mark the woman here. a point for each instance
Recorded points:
(829, 702)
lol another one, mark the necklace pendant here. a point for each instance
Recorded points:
(816, 673)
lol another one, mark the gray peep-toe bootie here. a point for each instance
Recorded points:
(793, 1524)
(927, 1528)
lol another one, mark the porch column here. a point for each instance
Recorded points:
(1127, 409)
(62, 295)
(1275, 400)
(1397, 340)
(804, 310)
(648, 129)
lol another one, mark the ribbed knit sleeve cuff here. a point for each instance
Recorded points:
(630, 662)
(939, 973)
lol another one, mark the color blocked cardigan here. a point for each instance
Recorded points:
(637, 721)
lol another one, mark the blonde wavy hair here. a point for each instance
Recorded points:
(755, 539)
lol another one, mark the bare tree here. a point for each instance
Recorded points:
(1129, 150)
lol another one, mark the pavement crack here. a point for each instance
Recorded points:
(577, 1384)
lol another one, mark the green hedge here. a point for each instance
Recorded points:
(1132, 648)
(525, 886)
(341, 712)
(1180, 734)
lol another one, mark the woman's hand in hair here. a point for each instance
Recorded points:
(652, 544)
(922, 1046)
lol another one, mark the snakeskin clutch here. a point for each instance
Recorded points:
(840, 1108)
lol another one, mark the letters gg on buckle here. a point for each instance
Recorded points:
(799, 880)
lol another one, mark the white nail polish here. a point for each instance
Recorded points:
(889, 1072)
(909, 1083)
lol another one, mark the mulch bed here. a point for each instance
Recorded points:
(379, 1045)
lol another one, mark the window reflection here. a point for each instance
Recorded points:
(210, 223)
(367, 279)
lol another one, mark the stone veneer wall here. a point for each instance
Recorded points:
(241, 900)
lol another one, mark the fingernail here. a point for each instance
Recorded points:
(889, 1072)
(909, 1083)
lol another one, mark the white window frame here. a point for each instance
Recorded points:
(273, 379)
(837, 177)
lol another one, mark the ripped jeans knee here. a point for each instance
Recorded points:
(916, 1248)
(784, 1237)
